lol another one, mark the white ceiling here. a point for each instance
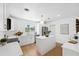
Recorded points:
(48, 10)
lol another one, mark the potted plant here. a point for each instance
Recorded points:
(3, 41)
(47, 33)
(18, 33)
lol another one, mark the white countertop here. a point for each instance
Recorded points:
(43, 37)
(74, 47)
(10, 37)
(13, 37)
(10, 49)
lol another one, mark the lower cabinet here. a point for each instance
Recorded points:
(26, 39)
(69, 49)
(69, 52)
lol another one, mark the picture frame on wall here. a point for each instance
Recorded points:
(64, 28)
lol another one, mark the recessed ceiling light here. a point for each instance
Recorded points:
(58, 15)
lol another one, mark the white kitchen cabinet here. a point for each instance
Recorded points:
(26, 39)
(45, 44)
(70, 49)
(11, 49)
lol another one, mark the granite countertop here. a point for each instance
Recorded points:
(13, 40)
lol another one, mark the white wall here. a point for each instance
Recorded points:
(1, 20)
(17, 10)
(1, 16)
(64, 37)
(19, 25)
(36, 10)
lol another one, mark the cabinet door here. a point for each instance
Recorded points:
(68, 52)
(26, 39)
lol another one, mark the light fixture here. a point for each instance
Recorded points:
(58, 15)
(42, 21)
(26, 9)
